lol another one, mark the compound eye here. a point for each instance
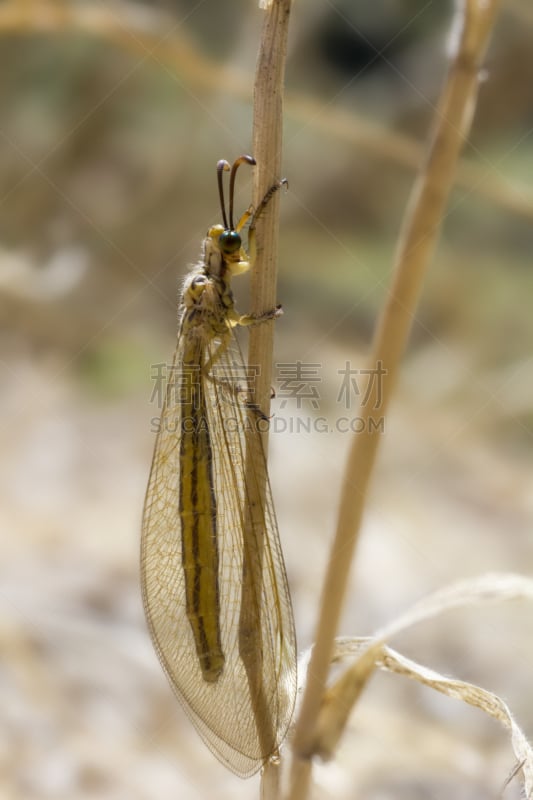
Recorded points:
(229, 242)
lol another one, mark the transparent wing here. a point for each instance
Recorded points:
(244, 715)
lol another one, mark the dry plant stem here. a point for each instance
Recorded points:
(146, 36)
(267, 139)
(416, 245)
(267, 142)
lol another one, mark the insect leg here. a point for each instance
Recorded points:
(255, 215)
(257, 319)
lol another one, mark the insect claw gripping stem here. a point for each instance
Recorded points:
(252, 248)
(257, 319)
(265, 201)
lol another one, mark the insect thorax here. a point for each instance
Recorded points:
(207, 300)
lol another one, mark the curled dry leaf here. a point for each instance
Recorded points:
(373, 653)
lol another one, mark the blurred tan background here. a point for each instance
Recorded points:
(112, 118)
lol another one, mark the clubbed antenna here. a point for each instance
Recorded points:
(222, 166)
(236, 164)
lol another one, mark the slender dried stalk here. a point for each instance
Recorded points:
(267, 141)
(417, 242)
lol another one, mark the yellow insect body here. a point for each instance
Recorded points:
(214, 586)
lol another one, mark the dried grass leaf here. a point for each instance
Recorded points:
(372, 653)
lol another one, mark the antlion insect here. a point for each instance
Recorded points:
(213, 579)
